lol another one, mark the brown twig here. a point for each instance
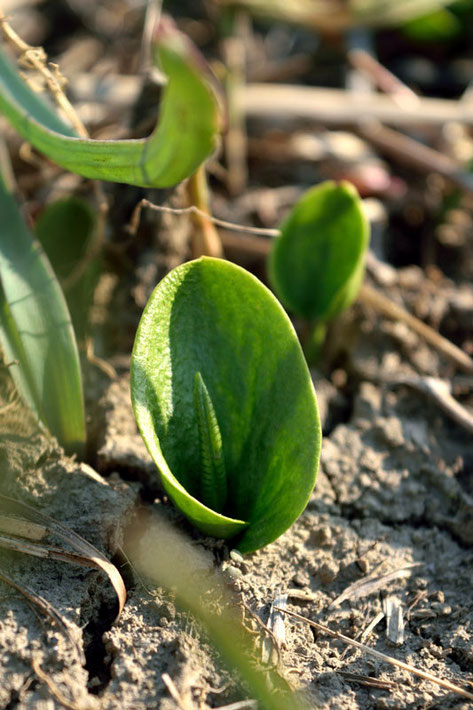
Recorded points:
(338, 106)
(384, 79)
(382, 656)
(193, 209)
(235, 139)
(411, 152)
(381, 304)
(36, 58)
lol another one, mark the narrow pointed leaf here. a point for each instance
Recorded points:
(214, 477)
(212, 317)
(317, 264)
(36, 334)
(183, 138)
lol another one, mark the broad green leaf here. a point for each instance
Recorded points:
(36, 334)
(65, 229)
(214, 318)
(184, 137)
(316, 265)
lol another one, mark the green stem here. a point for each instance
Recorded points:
(314, 342)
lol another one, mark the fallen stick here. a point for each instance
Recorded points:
(382, 656)
(344, 107)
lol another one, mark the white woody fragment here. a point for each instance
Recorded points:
(394, 620)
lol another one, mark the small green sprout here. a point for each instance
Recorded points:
(316, 266)
(225, 404)
(214, 477)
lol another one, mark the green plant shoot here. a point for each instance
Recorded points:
(225, 404)
(184, 137)
(316, 266)
(36, 333)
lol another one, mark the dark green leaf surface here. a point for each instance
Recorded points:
(212, 317)
(184, 137)
(36, 334)
(65, 229)
(316, 265)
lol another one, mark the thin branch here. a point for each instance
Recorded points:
(380, 303)
(193, 209)
(382, 656)
(385, 80)
(36, 58)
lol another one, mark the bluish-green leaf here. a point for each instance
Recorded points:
(184, 137)
(212, 317)
(316, 265)
(36, 334)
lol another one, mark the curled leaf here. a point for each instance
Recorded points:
(184, 137)
(211, 317)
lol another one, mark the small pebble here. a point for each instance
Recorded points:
(300, 579)
(236, 556)
(233, 573)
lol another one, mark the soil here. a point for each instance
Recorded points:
(394, 491)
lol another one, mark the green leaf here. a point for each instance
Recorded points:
(441, 25)
(73, 217)
(36, 332)
(184, 137)
(213, 317)
(393, 12)
(316, 265)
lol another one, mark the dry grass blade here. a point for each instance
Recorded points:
(368, 681)
(383, 305)
(394, 620)
(174, 693)
(47, 609)
(56, 693)
(372, 582)
(383, 656)
(277, 627)
(88, 555)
